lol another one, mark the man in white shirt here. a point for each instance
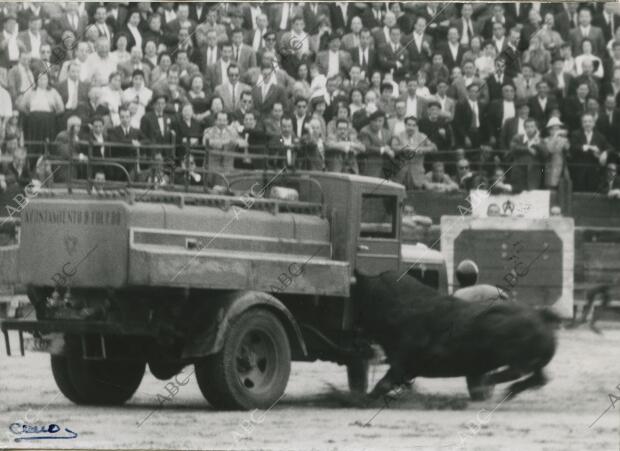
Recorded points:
(415, 106)
(467, 26)
(10, 40)
(260, 29)
(33, 37)
(101, 64)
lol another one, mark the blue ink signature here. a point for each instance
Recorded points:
(25, 429)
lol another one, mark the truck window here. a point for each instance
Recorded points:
(378, 216)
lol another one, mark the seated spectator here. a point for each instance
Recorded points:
(99, 182)
(438, 180)
(587, 55)
(588, 154)
(342, 148)
(17, 173)
(101, 64)
(133, 64)
(409, 157)
(466, 178)
(525, 83)
(43, 175)
(271, 124)
(498, 183)
(157, 175)
(527, 154)
(284, 148)
(127, 134)
(111, 97)
(537, 56)
(515, 125)
(557, 146)
(189, 130)
(252, 140)
(439, 132)
(223, 138)
(157, 126)
(396, 123)
(188, 175)
(230, 90)
(311, 155)
(611, 182)
(608, 123)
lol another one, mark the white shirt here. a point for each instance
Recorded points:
(333, 63)
(474, 108)
(521, 127)
(35, 45)
(454, 49)
(560, 79)
(99, 139)
(72, 94)
(300, 124)
(585, 31)
(542, 103)
(286, 8)
(363, 55)
(343, 7)
(12, 46)
(508, 110)
(302, 39)
(258, 39)
(467, 25)
(211, 55)
(412, 107)
(499, 43)
(169, 15)
(137, 36)
(588, 137)
(224, 66)
(418, 38)
(6, 107)
(143, 96)
(95, 65)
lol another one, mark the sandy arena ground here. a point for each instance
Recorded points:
(557, 417)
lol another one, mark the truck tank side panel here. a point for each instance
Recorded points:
(78, 242)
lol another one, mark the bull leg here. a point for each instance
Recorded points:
(537, 379)
(395, 376)
(507, 375)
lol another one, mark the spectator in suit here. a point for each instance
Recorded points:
(365, 56)
(381, 36)
(373, 17)
(527, 154)
(33, 38)
(525, 83)
(341, 14)
(446, 103)
(415, 106)
(465, 26)
(541, 105)
(351, 40)
(453, 50)
(497, 19)
(72, 91)
(588, 154)
(230, 91)
(334, 61)
(266, 92)
(156, 126)
(558, 80)
(311, 155)
(499, 112)
(419, 46)
(392, 56)
(182, 20)
(557, 145)
(495, 82)
(575, 106)
(499, 39)
(217, 73)
(608, 123)
(189, 130)
(376, 140)
(584, 30)
(300, 119)
(610, 185)
(469, 116)
(515, 125)
(437, 179)
(16, 173)
(608, 21)
(460, 84)
(465, 177)
(342, 149)
(10, 43)
(243, 54)
(511, 53)
(126, 134)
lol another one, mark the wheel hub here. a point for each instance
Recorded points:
(256, 361)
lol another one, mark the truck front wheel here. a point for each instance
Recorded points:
(252, 369)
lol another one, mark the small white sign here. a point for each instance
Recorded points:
(528, 204)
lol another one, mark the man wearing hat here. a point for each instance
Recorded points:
(557, 146)
(334, 61)
(376, 140)
(515, 125)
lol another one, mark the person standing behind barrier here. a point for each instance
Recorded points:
(312, 150)
(221, 137)
(376, 140)
(557, 145)
(527, 152)
(409, 158)
(588, 153)
(342, 148)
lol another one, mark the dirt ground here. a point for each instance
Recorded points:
(312, 415)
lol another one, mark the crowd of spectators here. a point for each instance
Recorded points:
(437, 96)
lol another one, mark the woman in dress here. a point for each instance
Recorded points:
(121, 55)
(217, 105)
(475, 49)
(159, 73)
(375, 83)
(303, 78)
(40, 106)
(356, 101)
(134, 36)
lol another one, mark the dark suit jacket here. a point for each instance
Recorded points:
(541, 116)
(338, 21)
(371, 65)
(193, 12)
(571, 115)
(513, 61)
(388, 59)
(59, 24)
(448, 60)
(586, 170)
(418, 58)
(608, 29)
(304, 130)
(275, 94)
(149, 127)
(311, 19)
(560, 94)
(495, 87)
(63, 90)
(610, 129)
(464, 125)
(495, 120)
(596, 36)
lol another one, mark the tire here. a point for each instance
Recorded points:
(104, 382)
(60, 370)
(252, 369)
(357, 376)
(478, 389)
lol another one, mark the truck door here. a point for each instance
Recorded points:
(378, 240)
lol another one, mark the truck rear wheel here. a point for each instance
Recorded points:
(60, 370)
(252, 369)
(357, 375)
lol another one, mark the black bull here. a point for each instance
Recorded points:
(427, 334)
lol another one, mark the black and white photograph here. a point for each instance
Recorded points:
(310, 226)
